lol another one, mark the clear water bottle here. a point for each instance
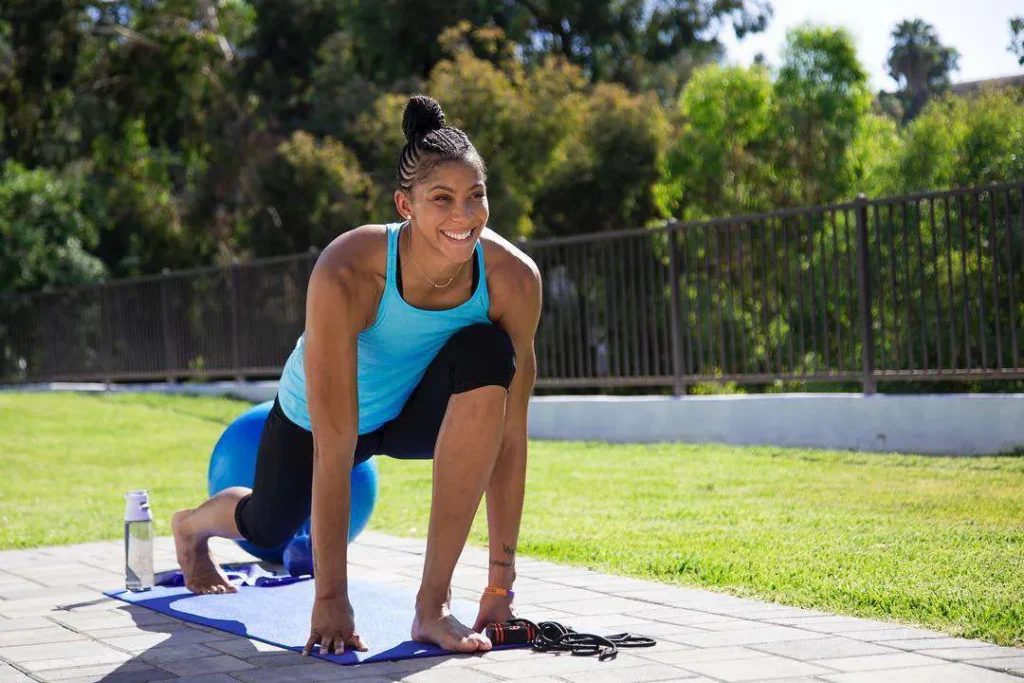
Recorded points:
(138, 541)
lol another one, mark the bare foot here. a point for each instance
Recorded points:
(445, 631)
(202, 575)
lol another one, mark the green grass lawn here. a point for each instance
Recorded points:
(935, 542)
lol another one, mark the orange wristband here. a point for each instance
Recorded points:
(494, 590)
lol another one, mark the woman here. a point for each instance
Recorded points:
(418, 344)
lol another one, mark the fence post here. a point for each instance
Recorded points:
(165, 327)
(678, 385)
(236, 353)
(867, 327)
(107, 343)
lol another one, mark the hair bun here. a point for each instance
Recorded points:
(422, 115)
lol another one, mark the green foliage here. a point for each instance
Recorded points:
(717, 165)
(630, 41)
(309, 192)
(959, 142)
(746, 143)
(45, 49)
(138, 213)
(46, 229)
(878, 139)
(823, 97)
(607, 167)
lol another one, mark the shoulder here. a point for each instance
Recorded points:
(355, 263)
(513, 279)
(360, 250)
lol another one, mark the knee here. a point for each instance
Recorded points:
(265, 531)
(482, 355)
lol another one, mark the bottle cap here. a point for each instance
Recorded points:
(136, 507)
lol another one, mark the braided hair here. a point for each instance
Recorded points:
(429, 143)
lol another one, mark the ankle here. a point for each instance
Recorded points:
(185, 528)
(432, 603)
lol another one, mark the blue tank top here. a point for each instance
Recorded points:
(393, 353)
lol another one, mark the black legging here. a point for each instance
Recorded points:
(476, 356)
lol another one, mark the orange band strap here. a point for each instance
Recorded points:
(494, 590)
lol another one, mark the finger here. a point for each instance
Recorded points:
(314, 638)
(326, 643)
(356, 643)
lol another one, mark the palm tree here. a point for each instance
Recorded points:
(919, 63)
(1017, 38)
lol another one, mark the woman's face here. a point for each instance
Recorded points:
(449, 207)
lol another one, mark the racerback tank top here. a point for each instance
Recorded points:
(394, 352)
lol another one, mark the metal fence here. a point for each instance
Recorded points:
(920, 287)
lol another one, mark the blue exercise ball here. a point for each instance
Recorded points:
(233, 463)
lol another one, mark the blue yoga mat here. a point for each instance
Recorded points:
(277, 611)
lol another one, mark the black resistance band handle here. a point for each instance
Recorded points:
(551, 636)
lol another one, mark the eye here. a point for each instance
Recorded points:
(442, 198)
(480, 195)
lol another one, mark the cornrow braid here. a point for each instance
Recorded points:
(429, 142)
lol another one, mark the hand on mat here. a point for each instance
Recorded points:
(333, 627)
(494, 609)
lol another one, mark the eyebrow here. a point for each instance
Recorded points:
(445, 187)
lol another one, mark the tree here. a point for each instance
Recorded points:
(958, 142)
(606, 169)
(1016, 46)
(719, 161)
(44, 47)
(138, 213)
(919, 63)
(636, 42)
(622, 41)
(305, 194)
(45, 231)
(823, 97)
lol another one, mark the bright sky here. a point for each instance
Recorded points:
(979, 29)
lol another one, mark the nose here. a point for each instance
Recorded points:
(463, 212)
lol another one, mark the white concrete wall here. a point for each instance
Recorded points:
(953, 424)
(256, 392)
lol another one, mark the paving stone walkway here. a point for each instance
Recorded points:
(55, 625)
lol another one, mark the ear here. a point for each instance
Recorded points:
(403, 204)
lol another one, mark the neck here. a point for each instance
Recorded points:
(437, 270)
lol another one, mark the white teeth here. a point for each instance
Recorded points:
(458, 235)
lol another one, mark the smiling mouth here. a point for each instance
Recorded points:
(459, 236)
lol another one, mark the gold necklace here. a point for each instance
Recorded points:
(436, 286)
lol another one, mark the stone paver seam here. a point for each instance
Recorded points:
(28, 673)
(132, 655)
(19, 669)
(97, 566)
(27, 578)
